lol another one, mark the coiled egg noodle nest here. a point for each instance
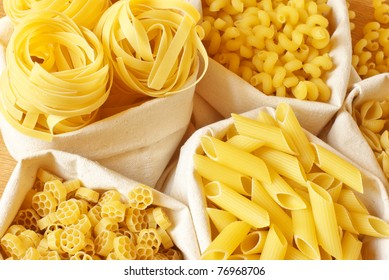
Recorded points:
(56, 77)
(83, 12)
(153, 46)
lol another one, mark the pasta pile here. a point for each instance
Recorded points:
(62, 219)
(280, 47)
(372, 119)
(274, 194)
(56, 78)
(371, 53)
(83, 12)
(153, 45)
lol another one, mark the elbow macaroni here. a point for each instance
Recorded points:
(272, 28)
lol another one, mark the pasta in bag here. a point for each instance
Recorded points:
(298, 198)
(116, 195)
(135, 136)
(270, 66)
(358, 130)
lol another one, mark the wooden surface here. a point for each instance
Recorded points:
(363, 12)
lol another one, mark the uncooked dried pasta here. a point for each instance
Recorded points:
(140, 197)
(254, 40)
(56, 78)
(83, 12)
(316, 215)
(154, 46)
(105, 227)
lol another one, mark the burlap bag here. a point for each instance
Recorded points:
(344, 134)
(95, 176)
(185, 185)
(137, 142)
(228, 93)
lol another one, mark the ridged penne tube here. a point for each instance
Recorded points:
(273, 136)
(338, 167)
(226, 242)
(275, 245)
(254, 242)
(344, 219)
(245, 143)
(284, 164)
(348, 199)
(294, 254)
(289, 123)
(241, 257)
(325, 220)
(304, 233)
(351, 246)
(277, 215)
(238, 205)
(234, 158)
(370, 225)
(220, 218)
(282, 193)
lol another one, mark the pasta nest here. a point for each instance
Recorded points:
(152, 45)
(83, 12)
(56, 78)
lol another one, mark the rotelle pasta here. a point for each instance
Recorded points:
(83, 12)
(57, 76)
(153, 45)
(310, 208)
(96, 225)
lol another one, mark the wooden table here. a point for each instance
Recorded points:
(363, 11)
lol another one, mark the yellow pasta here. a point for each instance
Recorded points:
(275, 246)
(274, 137)
(227, 241)
(140, 197)
(294, 254)
(58, 190)
(245, 143)
(44, 203)
(124, 248)
(158, 64)
(114, 210)
(276, 213)
(84, 13)
(351, 202)
(339, 168)
(254, 242)
(161, 218)
(220, 218)
(370, 225)
(237, 204)
(351, 246)
(60, 84)
(212, 171)
(234, 158)
(325, 220)
(87, 194)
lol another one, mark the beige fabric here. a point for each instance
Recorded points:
(137, 142)
(184, 185)
(228, 93)
(344, 134)
(69, 166)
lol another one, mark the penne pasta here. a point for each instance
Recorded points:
(222, 247)
(277, 215)
(254, 242)
(245, 143)
(304, 232)
(273, 136)
(220, 218)
(234, 158)
(294, 254)
(213, 171)
(339, 168)
(285, 164)
(238, 205)
(282, 193)
(275, 245)
(351, 202)
(289, 123)
(344, 219)
(325, 220)
(370, 225)
(351, 246)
